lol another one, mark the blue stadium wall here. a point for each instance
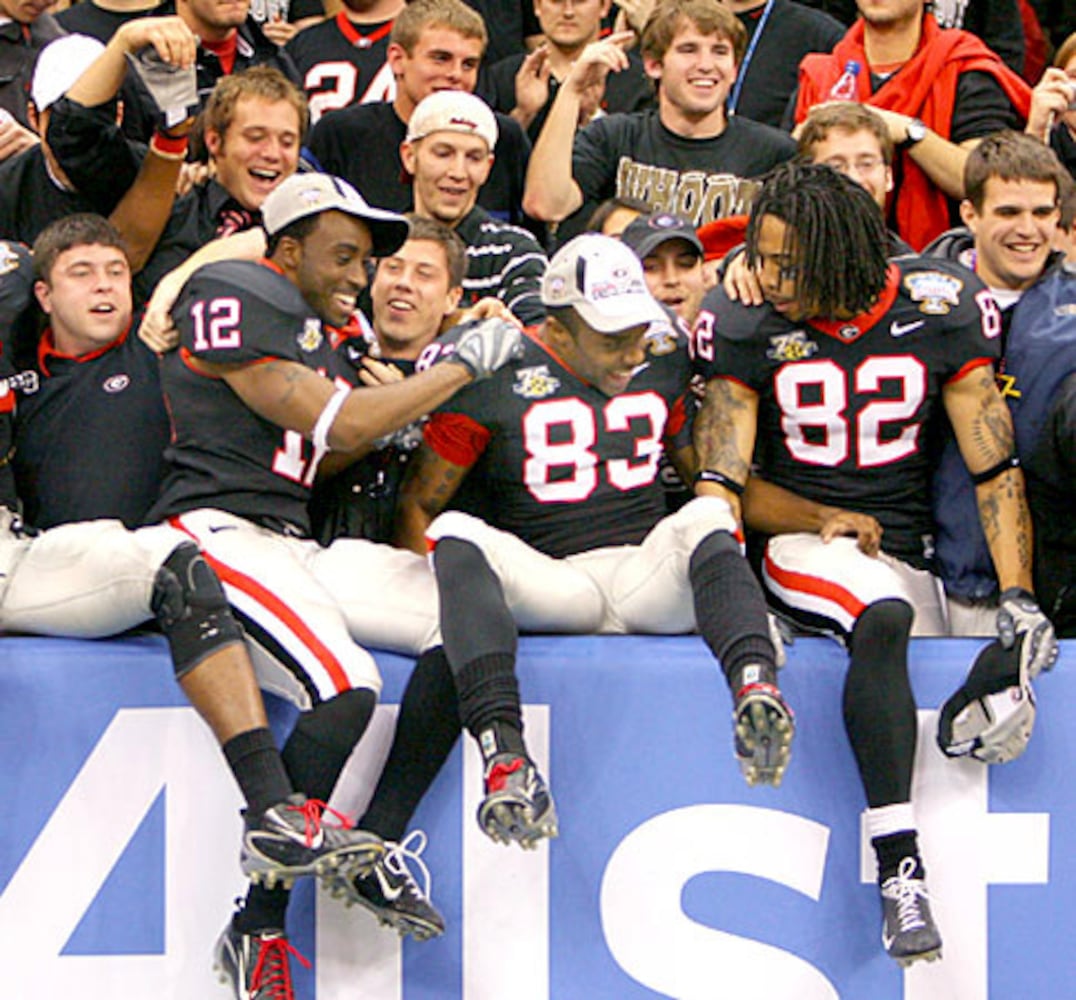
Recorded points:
(118, 842)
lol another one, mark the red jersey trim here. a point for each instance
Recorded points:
(46, 348)
(968, 367)
(273, 604)
(864, 321)
(351, 32)
(457, 438)
(804, 583)
(677, 418)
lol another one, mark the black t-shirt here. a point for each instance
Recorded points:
(558, 463)
(30, 200)
(636, 156)
(628, 90)
(362, 145)
(222, 454)
(19, 46)
(791, 31)
(849, 413)
(342, 64)
(86, 18)
(90, 440)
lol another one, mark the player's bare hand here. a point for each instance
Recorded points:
(190, 175)
(157, 331)
(636, 13)
(374, 372)
(14, 138)
(279, 31)
(532, 86)
(1050, 99)
(597, 61)
(741, 283)
(173, 41)
(895, 122)
(865, 529)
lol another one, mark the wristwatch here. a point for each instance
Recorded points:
(915, 131)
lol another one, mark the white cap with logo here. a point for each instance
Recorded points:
(453, 111)
(59, 65)
(602, 280)
(304, 194)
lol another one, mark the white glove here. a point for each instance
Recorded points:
(487, 346)
(1019, 614)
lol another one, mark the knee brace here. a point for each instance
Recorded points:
(191, 608)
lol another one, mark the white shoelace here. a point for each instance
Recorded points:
(399, 857)
(905, 890)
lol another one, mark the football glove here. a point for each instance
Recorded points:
(1019, 615)
(487, 346)
(991, 715)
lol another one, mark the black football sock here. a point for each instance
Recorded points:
(480, 639)
(894, 848)
(323, 738)
(475, 619)
(427, 727)
(730, 610)
(263, 909)
(879, 709)
(256, 763)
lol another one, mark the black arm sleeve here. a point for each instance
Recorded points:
(92, 151)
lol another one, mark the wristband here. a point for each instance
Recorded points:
(710, 476)
(320, 434)
(1009, 462)
(169, 147)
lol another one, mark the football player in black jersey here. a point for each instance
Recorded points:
(253, 417)
(559, 453)
(88, 575)
(828, 397)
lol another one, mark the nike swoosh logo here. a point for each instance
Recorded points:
(389, 892)
(900, 329)
(214, 528)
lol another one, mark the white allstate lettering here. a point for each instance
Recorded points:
(659, 946)
(142, 752)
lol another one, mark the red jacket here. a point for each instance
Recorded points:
(924, 88)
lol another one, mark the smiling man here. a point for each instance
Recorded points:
(448, 153)
(687, 157)
(1011, 216)
(435, 45)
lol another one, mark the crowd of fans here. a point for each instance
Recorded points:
(424, 179)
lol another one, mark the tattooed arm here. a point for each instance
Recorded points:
(430, 482)
(725, 436)
(983, 428)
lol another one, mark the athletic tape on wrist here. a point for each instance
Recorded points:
(320, 434)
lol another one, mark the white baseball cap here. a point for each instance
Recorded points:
(304, 194)
(602, 280)
(59, 65)
(453, 111)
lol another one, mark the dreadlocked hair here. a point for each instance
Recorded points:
(835, 233)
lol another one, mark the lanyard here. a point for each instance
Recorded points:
(734, 98)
